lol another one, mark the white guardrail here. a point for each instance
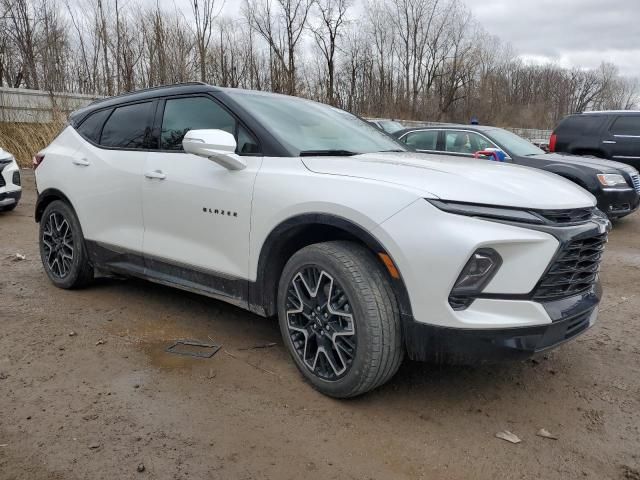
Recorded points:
(37, 106)
(532, 134)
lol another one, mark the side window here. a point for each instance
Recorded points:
(129, 127)
(193, 113)
(465, 142)
(92, 125)
(626, 125)
(425, 140)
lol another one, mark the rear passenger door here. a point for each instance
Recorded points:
(196, 212)
(625, 133)
(107, 175)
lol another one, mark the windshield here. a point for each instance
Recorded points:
(313, 128)
(390, 126)
(514, 144)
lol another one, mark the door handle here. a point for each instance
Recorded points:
(158, 174)
(609, 142)
(81, 162)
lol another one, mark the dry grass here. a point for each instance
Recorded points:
(23, 140)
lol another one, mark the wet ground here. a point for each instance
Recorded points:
(87, 391)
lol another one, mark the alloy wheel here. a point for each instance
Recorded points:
(57, 239)
(320, 323)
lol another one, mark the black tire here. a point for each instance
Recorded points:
(362, 307)
(62, 249)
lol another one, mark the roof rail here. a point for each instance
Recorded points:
(611, 111)
(148, 89)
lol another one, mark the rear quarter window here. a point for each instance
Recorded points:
(91, 127)
(581, 125)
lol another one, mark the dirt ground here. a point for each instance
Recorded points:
(109, 401)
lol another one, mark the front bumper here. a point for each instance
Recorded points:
(10, 198)
(570, 317)
(519, 312)
(618, 203)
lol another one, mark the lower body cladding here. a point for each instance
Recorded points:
(544, 292)
(9, 199)
(569, 318)
(618, 203)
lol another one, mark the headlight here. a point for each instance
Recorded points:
(501, 213)
(476, 274)
(612, 180)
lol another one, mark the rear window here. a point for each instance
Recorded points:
(129, 127)
(92, 126)
(581, 125)
(626, 125)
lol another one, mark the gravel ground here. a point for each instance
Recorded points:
(108, 402)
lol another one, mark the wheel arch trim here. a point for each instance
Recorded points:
(45, 198)
(263, 294)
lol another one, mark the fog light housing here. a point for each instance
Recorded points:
(476, 274)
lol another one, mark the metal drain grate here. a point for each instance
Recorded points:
(193, 348)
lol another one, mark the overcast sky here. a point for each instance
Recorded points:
(580, 33)
(572, 33)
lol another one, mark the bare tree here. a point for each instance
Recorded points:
(281, 26)
(204, 14)
(332, 18)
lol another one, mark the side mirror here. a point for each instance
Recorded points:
(216, 145)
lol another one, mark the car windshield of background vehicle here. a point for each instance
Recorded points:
(308, 126)
(391, 126)
(514, 144)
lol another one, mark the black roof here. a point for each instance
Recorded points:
(610, 112)
(144, 94)
(446, 126)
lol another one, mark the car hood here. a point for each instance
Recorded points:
(462, 180)
(599, 164)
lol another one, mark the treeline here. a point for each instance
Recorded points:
(411, 59)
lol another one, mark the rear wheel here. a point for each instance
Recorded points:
(339, 318)
(62, 249)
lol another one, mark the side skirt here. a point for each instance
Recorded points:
(211, 284)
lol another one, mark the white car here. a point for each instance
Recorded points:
(288, 207)
(10, 182)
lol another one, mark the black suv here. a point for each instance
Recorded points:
(616, 186)
(608, 134)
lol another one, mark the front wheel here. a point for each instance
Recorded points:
(62, 250)
(339, 318)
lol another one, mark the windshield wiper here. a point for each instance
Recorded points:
(327, 153)
(397, 150)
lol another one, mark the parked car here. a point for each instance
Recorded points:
(389, 126)
(288, 207)
(10, 184)
(616, 186)
(610, 134)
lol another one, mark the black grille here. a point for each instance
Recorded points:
(2, 182)
(574, 215)
(574, 269)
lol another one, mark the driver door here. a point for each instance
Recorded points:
(196, 212)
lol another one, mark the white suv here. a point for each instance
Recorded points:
(10, 182)
(287, 207)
